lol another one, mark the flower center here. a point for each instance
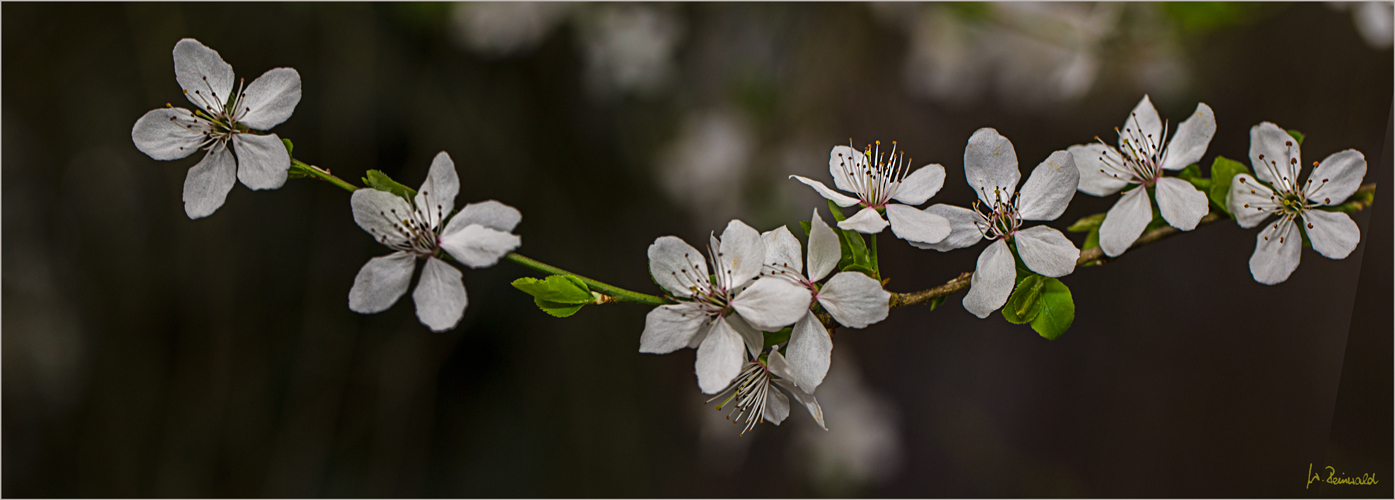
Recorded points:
(411, 232)
(1000, 219)
(874, 177)
(750, 392)
(712, 294)
(1141, 155)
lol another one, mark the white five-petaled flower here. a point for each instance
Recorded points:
(1275, 157)
(477, 236)
(1140, 160)
(754, 398)
(990, 164)
(718, 313)
(877, 180)
(223, 115)
(852, 298)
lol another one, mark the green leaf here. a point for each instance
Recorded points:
(378, 180)
(557, 288)
(557, 309)
(1086, 224)
(1024, 304)
(289, 146)
(1223, 171)
(808, 226)
(1192, 174)
(1297, 136)
(837, 211)
(1057, 310)
(854, 249)
(778, 337)
(1092, 240)
(937, 301)
(861, 269)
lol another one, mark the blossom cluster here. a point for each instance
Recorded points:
(761, 308)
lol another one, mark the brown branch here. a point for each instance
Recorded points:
(1095, 256)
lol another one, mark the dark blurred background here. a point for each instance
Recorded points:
(146, 354)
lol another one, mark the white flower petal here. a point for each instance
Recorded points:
(841, 199)
(381, 281)
(824, 249)
(676, 266)
(1046, 251)
(1249, 201)
(719, 358)
(866, 221)
(782, 249)
(990, 164)
(963, 224)
(777, 407)
(671, 327)
(1337, 177)
(1282, 156)
(810, 352)
(208, 182)
(168, 133)
(1333, 234)
(805, 399)
(207, 80)
(436, 198)
(490, 214)
(855, 300)
(742, 252)
(1277, 249)
(1193, 135)
(1125, 221)
(1182, 205)
(841, 160)
(1049, 190)
(771, 304)
(440, 296)
(478, 246)
(380, 213)
(1143, 123)
(992, 281)
(921, 184)
(262, 160)
(779, 366)
(1090, 161)
(916, 226)
(754, 339)
(271, 98)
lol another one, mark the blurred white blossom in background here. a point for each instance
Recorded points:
(503, 29)
(1032, 54)
(629, 48)
(862, 446)
(704, 168)
(1375, 21)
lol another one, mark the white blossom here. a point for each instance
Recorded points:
(852, 298)
(1144, 153)
(753, 396)
(878, 179)
(990, 164)
(718, 313)
(223, 115)
(1275, 157)
(477, 236)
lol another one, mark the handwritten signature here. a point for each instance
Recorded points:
(1364, 479)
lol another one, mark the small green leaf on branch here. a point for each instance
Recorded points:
(376, 179)
(1086, 224)
(777, 337)
(935, 302)
(1024, 304)
(1223, 171)
(1192, 174)
(557, 309)
(558, 295)
(1297, 136)
(1056, 310)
